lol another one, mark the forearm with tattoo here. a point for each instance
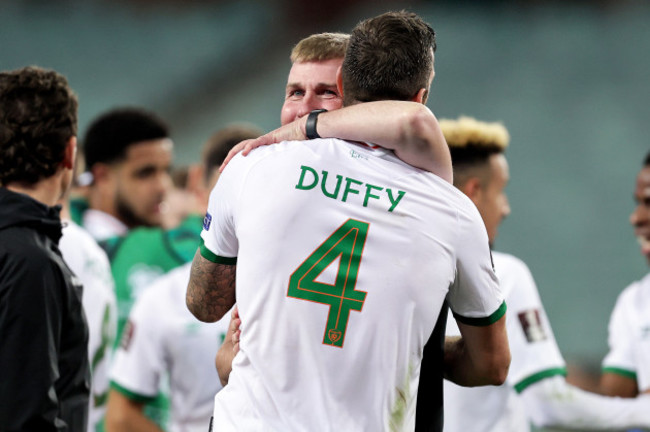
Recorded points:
(211, 290)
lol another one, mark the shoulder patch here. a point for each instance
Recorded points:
(531, 324)
(127, 335)
(207, 220)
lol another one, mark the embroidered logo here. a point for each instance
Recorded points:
(357, 155)
(207, 220)
(532, 325)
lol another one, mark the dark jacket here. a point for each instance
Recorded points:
(44, 372)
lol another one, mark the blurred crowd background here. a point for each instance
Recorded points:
(569, 79)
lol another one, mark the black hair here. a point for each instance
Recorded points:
(38, 116)
(109, 136)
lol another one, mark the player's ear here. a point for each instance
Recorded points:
(472, 188)
(421, 96)
(101, 172)
(70, 153)
(339, 81)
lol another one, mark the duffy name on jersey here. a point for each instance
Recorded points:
(309, 178)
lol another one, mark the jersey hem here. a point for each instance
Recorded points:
(537, 377)
(620, 371)
(132, 395)
(483, 321)
(211, 256)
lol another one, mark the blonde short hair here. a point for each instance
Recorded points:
(467, 131)
(472, 143)
(320, 47)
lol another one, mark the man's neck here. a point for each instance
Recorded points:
(47, 191)
(101, 201)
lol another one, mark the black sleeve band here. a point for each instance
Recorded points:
(310, 126)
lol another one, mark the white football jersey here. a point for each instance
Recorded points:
(534, 351)
(629, 334)
(163, 339)
(642, 357)
(90, 264)
(344, 257)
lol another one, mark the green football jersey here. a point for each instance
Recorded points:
(144, 254)
(137, 259)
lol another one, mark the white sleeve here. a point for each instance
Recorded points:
(554, 403)
(474, 297)
(139, 361)
(620, 358)
(535, 354)
(219, 240)
(642, 358)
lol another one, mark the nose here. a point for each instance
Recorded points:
(164, 182)
(309, 103)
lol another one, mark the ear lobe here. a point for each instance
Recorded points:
(339, 81)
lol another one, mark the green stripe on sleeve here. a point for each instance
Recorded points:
(521, 385)
(620, 371)
(484, 321)
(211, 256)
(132, 395)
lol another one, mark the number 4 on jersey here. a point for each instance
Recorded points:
(347, 243)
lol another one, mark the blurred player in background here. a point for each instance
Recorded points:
(129, 153)
(90, 264)
(536, 390)
(627, 365)
(162, 339)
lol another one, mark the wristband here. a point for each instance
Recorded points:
(310, 125)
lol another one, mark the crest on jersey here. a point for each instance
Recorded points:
(532, 325)
(207, 220)
(127, 335)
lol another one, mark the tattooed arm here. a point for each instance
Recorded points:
(211, 290)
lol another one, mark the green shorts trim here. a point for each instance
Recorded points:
(484, 321)
(211, 256)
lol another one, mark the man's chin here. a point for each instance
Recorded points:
(152, 221)
(133, 220)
